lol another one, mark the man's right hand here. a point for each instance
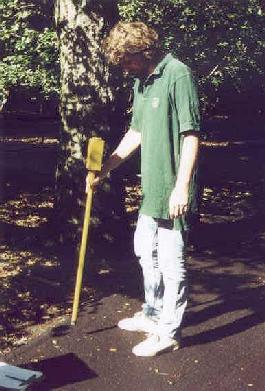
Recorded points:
(92, 182)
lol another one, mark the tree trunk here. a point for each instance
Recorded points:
(87, 109)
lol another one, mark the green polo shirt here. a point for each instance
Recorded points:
(165, 106)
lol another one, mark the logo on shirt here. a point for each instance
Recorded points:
(155, 103)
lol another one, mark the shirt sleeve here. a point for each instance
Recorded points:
(135, 125)
(183, 94)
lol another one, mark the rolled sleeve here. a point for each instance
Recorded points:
(185, 98)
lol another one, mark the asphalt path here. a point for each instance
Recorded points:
(222, 346)
(224, 329)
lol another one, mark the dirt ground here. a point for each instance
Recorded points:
(227, 245)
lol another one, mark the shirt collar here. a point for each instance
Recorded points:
(161, 65)
(159, 68)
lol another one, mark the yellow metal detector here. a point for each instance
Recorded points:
(93, 164)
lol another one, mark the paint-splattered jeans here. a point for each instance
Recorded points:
(161, 251)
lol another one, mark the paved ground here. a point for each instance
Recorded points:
(223, 336)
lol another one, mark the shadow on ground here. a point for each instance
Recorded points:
(55, 374)
(226, 261)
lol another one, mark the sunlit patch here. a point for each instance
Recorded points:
(225, 204)
(30, 140)
(132, 198)
(19, 307)
(25, 211)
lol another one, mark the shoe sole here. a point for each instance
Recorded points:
(139, 330)
(134, 330)
(165, 350)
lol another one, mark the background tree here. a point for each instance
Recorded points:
(87, 109)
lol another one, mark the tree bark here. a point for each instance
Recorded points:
(87, 109)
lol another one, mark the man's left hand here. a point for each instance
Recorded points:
(178, 202)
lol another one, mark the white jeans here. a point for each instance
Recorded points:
(161, 251)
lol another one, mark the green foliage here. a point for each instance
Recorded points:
(29, 48)
(222, 41)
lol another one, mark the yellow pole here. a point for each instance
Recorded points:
(93, 163)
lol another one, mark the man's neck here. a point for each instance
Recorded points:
(152, 65)
(151, 68)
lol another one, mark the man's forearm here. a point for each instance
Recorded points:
(178, 201)
(188, 158)
(129, 143)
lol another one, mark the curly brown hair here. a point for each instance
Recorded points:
(130, 38)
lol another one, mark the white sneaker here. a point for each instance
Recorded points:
(139, 322)
(154, 345)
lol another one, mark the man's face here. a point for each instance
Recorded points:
(135, 65)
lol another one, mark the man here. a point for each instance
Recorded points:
(165, 123)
